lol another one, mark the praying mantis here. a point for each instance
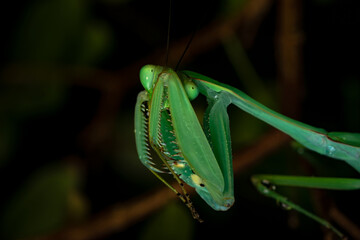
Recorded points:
(201, 157)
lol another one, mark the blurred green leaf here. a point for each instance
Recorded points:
(232, 6)
(60, 31)
(173, 222)
(41, 205)
(351, 95)
(78, 207)
(49, 30)
(30, 90)
(245, 128)
(253, 83)
(7, 139)
(116, 2)
(95, 44)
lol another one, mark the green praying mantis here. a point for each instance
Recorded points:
(201, 156)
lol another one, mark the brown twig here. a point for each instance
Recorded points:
(125, 214)
(344, 222)
(113, 86)
(118, 218)
(289, 42)
(289, 60)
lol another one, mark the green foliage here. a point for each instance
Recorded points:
(95, 43)
(7, 139)
(41, 205)
(351, 98)
(249, 127)
(31, 91)
(173, 222)
(116, 2)
(47, 29)
(42, 87)
(230, 7)
(59, 31)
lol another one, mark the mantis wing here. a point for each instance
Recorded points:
(217, 130)
(175, 133)
(197, 150)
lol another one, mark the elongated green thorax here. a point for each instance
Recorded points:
(343, 146)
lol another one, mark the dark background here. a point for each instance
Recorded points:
(69, 81)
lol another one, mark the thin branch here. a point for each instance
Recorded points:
(289, 43)
(117, 84)
(118, 218)
(114, 85)
(126, 214)
(344, 222)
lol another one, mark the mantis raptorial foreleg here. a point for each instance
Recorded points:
(201, 156)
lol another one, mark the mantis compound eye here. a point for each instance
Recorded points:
(147, 76)
(191, 89)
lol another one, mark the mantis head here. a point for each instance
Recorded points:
(149, 75)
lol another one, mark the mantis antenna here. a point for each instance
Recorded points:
(184, 196)
(192, 38)
(186, 48)
(168, 36)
